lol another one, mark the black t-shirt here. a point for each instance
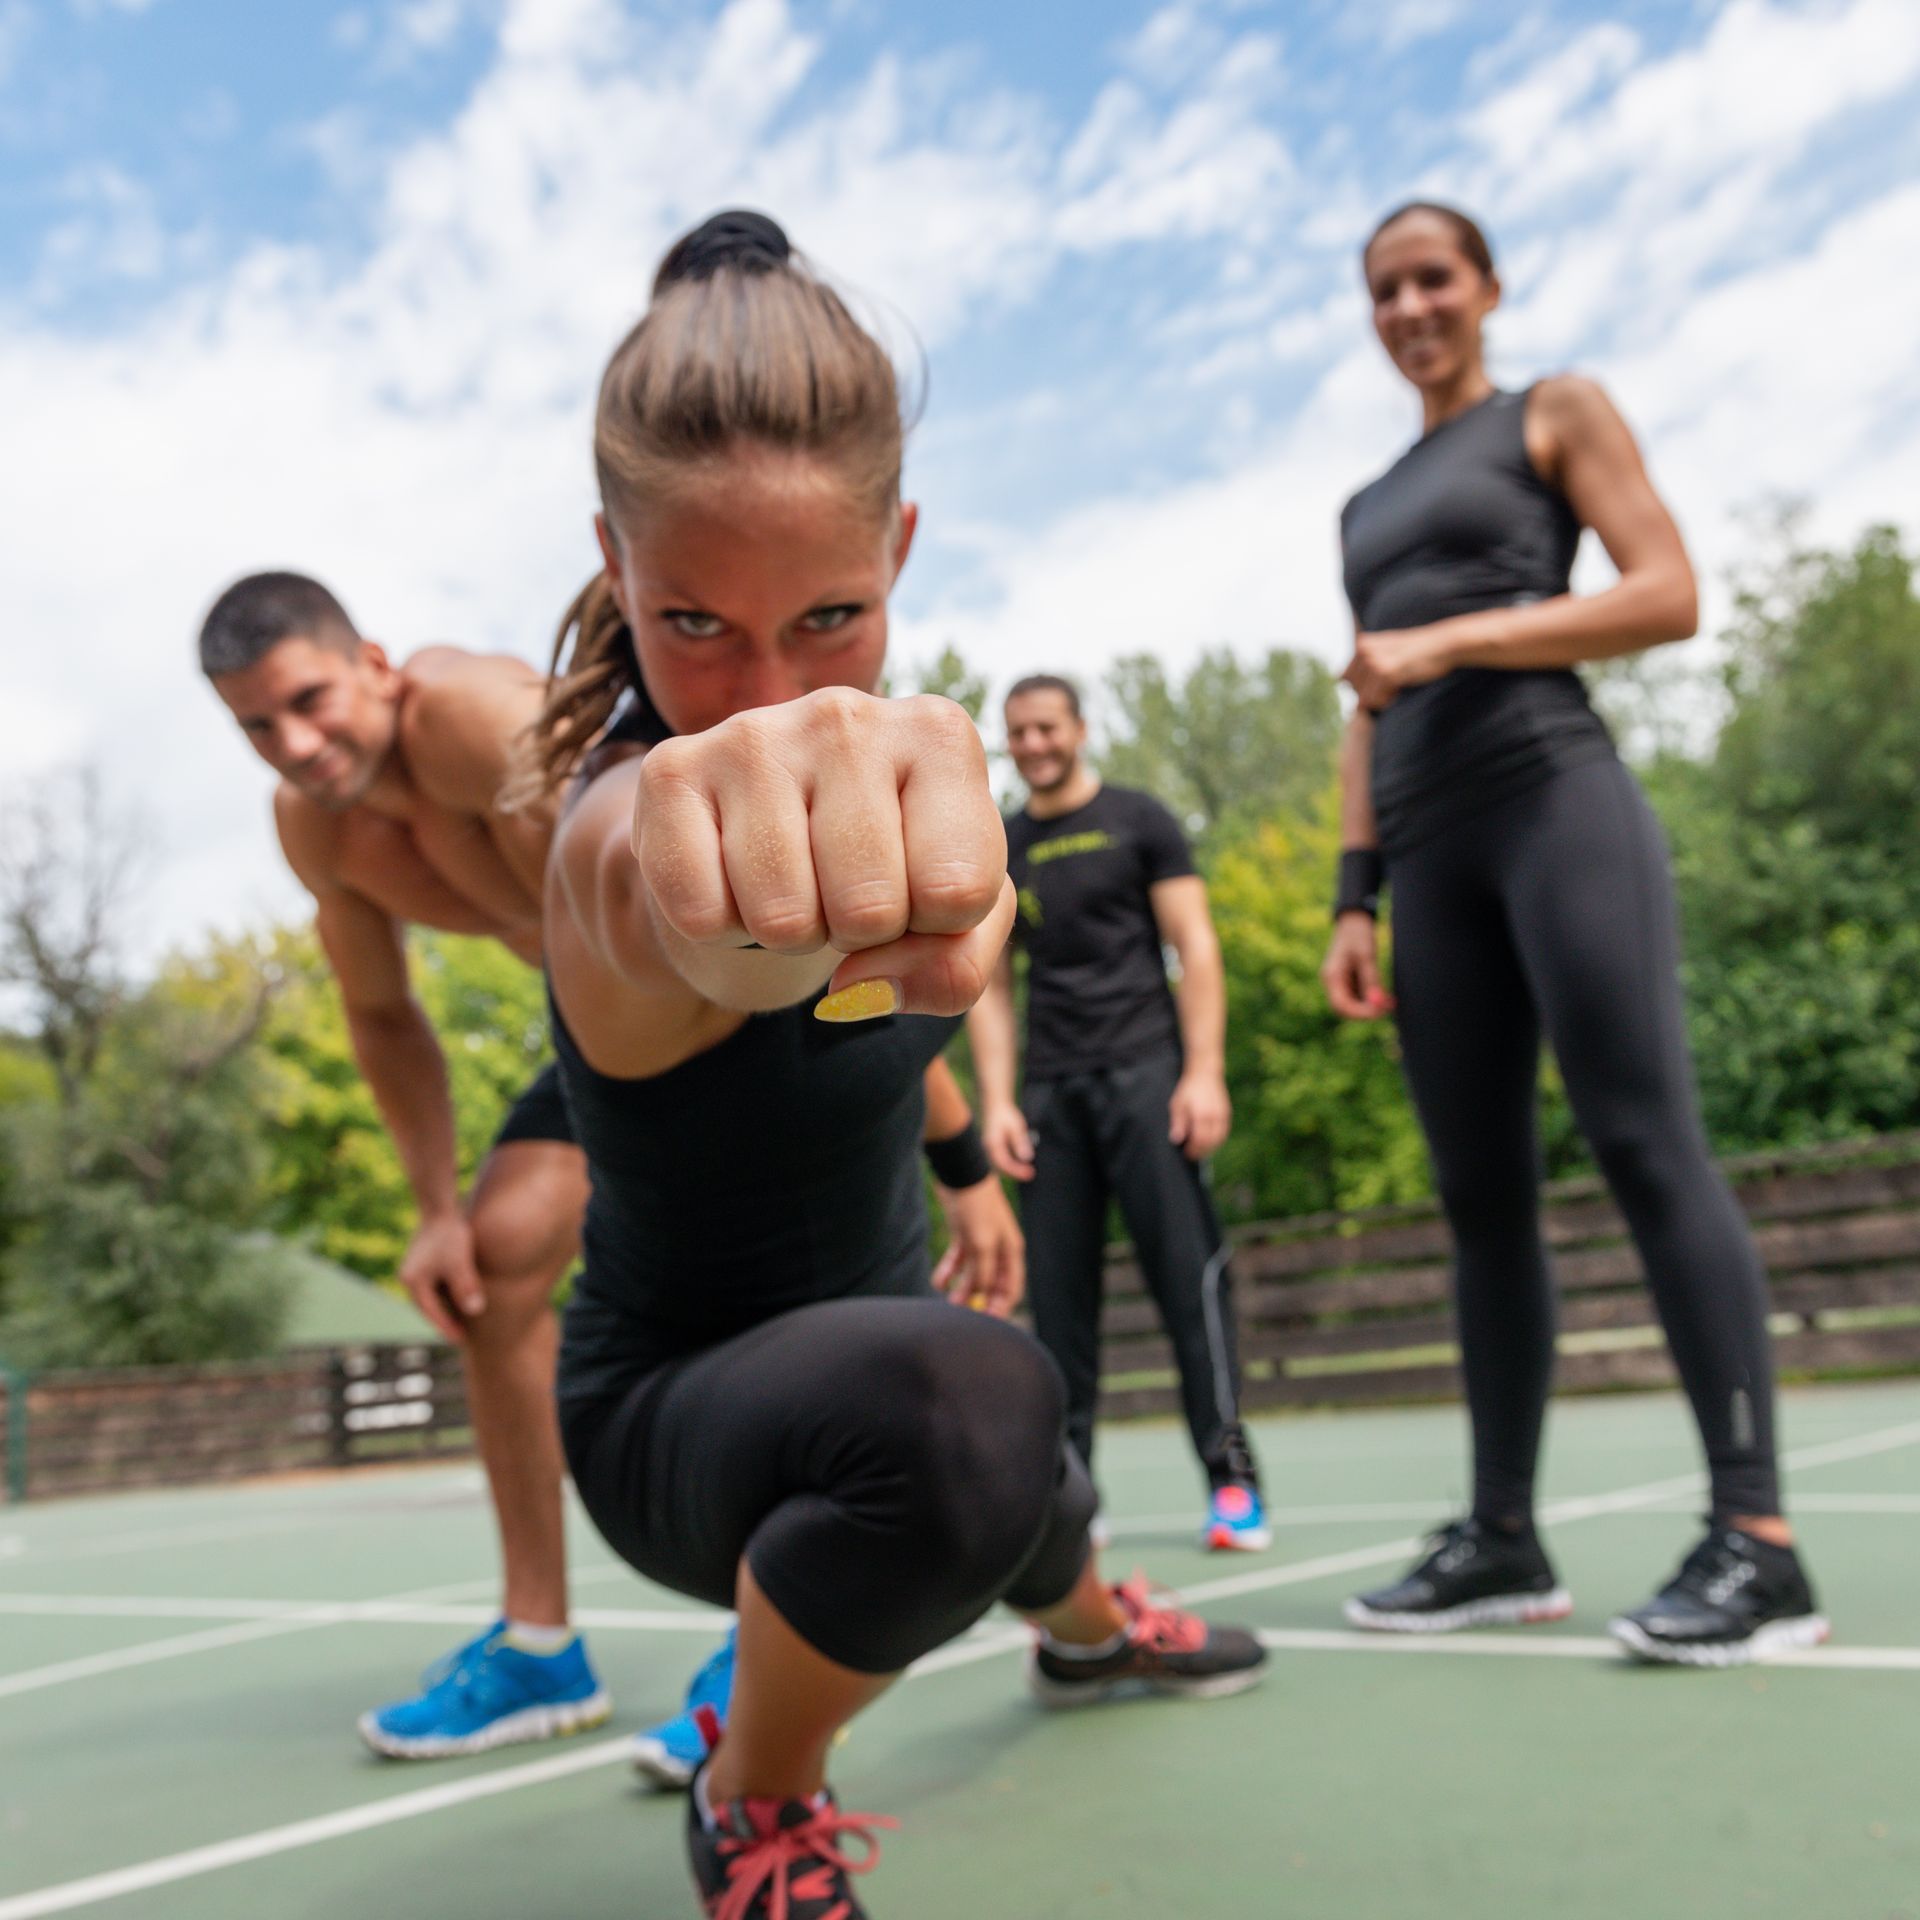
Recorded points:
(1097, 992)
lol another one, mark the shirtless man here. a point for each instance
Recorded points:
(388, 810)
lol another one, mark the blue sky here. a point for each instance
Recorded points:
(329, 286)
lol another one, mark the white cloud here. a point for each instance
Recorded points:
(414, 428)
(412, 425)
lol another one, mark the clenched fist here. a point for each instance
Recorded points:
(837, 821)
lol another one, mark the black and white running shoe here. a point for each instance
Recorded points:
(1472, 1576)
(1735, 1599)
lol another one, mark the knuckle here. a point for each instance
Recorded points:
(695, 917)
(838, 718)
(792, 925)
(868, 916)
(954, 895)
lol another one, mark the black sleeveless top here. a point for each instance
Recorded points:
(780, 1168)
(1461, 522)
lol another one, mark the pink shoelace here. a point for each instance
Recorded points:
(1164, 1628)
(796, 1863)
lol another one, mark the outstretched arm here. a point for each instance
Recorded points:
(836, 840)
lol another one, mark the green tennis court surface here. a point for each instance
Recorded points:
(179, 1675)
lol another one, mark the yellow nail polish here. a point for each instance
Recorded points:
(864, 1000)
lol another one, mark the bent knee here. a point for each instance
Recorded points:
(522, 1248)
(980, 1443)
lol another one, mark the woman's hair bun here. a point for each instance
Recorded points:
(736, 238)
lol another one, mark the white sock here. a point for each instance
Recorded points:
(1067, 1650)
(542, 1641)
(701, 1804)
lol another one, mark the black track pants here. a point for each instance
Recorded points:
(1555, 910)
(888, 1468)
(1105, 1133)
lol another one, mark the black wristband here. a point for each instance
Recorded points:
(959, 1161)
(1361, 872)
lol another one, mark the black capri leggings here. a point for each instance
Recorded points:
(889, 1468)
(1555, 909)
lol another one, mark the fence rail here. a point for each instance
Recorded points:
(1349, 1309)
(125, 1427)
(1332, 1310)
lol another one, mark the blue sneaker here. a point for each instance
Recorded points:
(670, 1754)
(490, 1693)
(1236, 1521)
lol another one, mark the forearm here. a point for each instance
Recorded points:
(947, 1111)
(1358, 827)
(990, 1033)
(1641, 611)
(405, 1070)
(1202, 1004)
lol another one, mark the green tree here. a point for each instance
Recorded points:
(335, 1174)
(1229, 746)
(137, 1168)
(1321, 1116)
(949, 674)
(1794, 853)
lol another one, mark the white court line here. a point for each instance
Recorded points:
(1565, 1646)
(407, 1806)
(1145, 1525)
(1581, 1507)
(412, 1607)
(1258, 1580)
(327, 1613)
(181, 1866)
(305, 1833)
(1855, 1503)
(206, 1533)
(92, 1665)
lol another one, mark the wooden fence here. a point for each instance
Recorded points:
(1334, 1310)
(88, 1432)
(1349, 1309)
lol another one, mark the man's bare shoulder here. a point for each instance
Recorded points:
(463, 715)
(309, 837)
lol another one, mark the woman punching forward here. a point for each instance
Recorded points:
(764, 1404)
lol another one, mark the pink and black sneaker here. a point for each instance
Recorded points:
(1164, 1650)
(779, 1859)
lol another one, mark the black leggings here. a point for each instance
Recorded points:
(1555, 909)
(888, 1468)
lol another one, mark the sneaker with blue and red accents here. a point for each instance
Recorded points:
(490, 1693)
(670, 1754)
(1236, 1520)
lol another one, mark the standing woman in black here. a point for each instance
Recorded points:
(1531, 897)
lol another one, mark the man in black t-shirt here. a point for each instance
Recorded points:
(1125, 1094)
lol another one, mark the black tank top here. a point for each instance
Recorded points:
(779, 1168)
(1461, 522)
